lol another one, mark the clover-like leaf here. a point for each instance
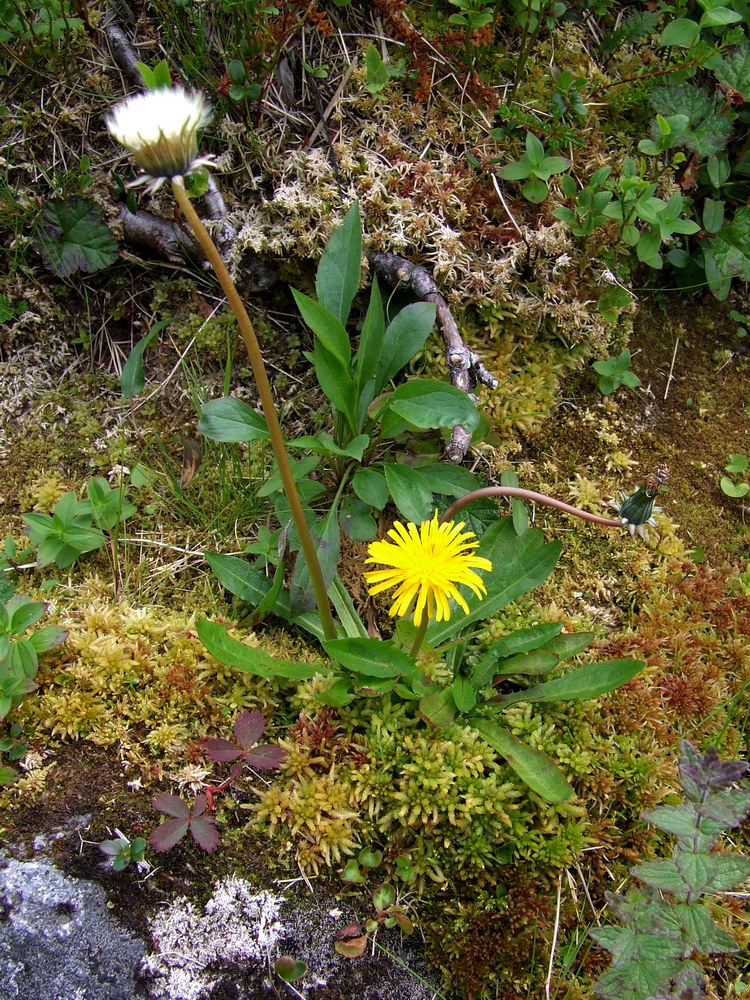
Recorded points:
(248, 728)
(265, 756)
(71, 237)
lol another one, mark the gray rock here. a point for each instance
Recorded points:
(58, 940)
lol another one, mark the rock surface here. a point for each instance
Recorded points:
(60, 941)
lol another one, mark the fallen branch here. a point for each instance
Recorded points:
(466, 369)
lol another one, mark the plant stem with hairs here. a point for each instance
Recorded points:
(269, 407)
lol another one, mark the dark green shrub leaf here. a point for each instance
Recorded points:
(71, 237)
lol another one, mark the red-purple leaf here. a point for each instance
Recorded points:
(236, 769)
(204, 833)
(222, 750)
(199, 806)
(172, 806)
(248, 728)
(265, 756)
(168, 834)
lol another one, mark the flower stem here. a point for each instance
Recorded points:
(516, 491)
(419, 638)
(269, 407)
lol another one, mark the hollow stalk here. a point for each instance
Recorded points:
(269, 407)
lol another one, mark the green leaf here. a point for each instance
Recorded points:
(132, 379)
(538, 661)
(732, 490)
(344, 608)
(568, 644)
(551, 165)
(647, 250)
(519, 563)
(47, 638)
(372, 657)
(519, 516)
(464, 694)
(661, 874)
(533, 767)
(71, 237)
(229, 419)
(338, 694)
(327, 540)
(718, 17)
(731, 246)
(371, 487)
(24, 613)
(233, 653)
(356, 520)
(338, 271)
(372, 337)
(335, 381)
(404, 336)
(448, 480)
(535, 191)
(698, 931)
(682, 32)
(517, 171)
(438, 708)
(427, 404)
(326, 326)
(411, 495)
(737, 462)
(377, 72)
(733, 70)
(588, 681)
(325, 445)
(625, 944)
(713, 215)
(712, 872)
(534, 150)
(238, 577)
(524, 639)
(709, 129)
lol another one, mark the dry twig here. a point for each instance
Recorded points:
(466, 369)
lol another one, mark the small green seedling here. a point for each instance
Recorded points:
(536, 165)
(15, 747)
(737, 466)
(289, 969)
(615, 372)
(123, 851)
(743, 323)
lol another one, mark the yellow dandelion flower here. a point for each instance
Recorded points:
(428, 562)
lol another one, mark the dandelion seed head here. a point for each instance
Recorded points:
(160, 129)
